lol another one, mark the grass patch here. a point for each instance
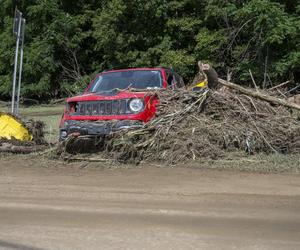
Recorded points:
(51, 126)
(42, 110)
(49, 114)
(264, 163)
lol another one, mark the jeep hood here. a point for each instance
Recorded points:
(107, 95)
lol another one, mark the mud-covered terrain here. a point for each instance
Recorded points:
(56, 205)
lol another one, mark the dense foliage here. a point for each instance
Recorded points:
(68, 41)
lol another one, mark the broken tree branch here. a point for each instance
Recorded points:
(259, 95)
(252, 78)
(279, 85)
(86, 159)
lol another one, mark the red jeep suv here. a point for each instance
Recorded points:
(115, 100)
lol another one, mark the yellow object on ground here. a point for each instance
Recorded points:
(199, 86)
(11, 128)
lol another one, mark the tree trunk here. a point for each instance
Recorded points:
(259, 95)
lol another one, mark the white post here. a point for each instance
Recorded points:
(20, 68)
(16, 66)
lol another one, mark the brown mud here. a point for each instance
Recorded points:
(57, 205)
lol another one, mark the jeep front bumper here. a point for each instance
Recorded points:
(97, 128)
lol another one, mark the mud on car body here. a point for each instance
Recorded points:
(115, 100)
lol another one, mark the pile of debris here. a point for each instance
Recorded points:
(206, 124)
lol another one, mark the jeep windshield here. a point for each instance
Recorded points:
(135, 79)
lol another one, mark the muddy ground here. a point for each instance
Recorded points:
(55, 205)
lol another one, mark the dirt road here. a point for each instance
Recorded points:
(66, 207)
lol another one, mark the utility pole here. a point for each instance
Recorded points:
(18, 30)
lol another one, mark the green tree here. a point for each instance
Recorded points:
(67, 42)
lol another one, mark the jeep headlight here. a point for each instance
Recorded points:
(136, 105)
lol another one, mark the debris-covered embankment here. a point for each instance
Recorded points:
(191, 125)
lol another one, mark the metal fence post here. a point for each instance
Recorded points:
(16, 64)
(20, 67)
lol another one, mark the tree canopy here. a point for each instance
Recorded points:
(66, 41)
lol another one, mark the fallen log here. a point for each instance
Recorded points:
(294, 99)
(259, 95)
(90, 159)
(15, 149)
(56, 101)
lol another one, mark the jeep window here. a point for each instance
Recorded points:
(136, 79)
(174, 80)
(170, 79)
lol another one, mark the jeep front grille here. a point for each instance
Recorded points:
(104, 107)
